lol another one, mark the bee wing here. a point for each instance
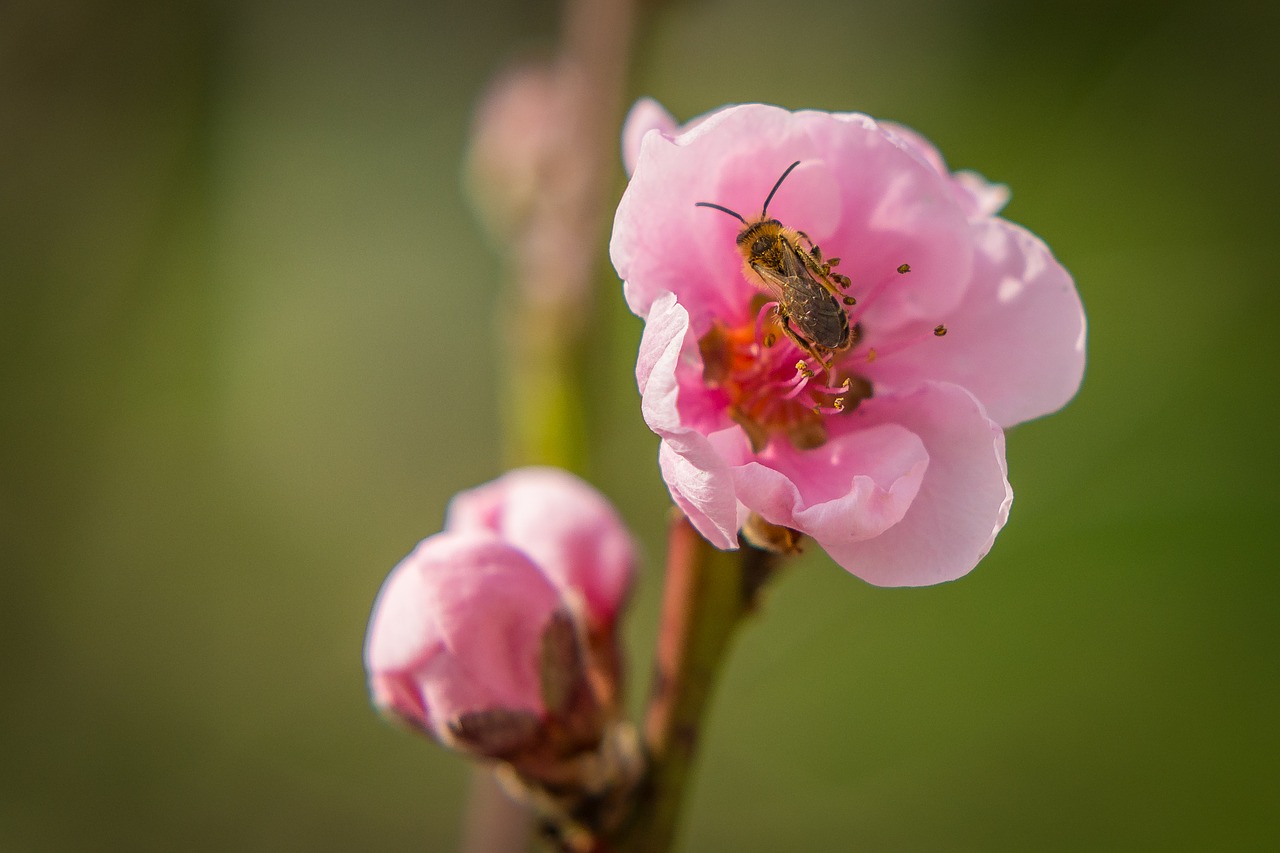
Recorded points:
(814, 312)
(777, 283)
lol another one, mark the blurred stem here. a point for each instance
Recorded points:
(543, 398)
(707, 594)
(494, 822)
(553, 266)
(556, 262)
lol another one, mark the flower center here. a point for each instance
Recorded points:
(772, 386)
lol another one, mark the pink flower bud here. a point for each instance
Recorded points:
(457, 630)
(518, 127)
(497, 636)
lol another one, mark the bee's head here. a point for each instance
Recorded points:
(760, 238)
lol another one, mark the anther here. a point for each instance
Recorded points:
(849, 300)
(871, 355)
(939, 330)
(804, 370)
(904, 269)
(770, 339)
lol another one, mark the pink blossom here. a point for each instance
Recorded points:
(487, 636)
(964, 324)
(457, 629)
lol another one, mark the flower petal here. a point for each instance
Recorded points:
(895, 209)
(474, 600)
(977, 196)
(645, 115)
(963, 499)
(564, 525)
(1017, 342)
(695, 472)
(854, 487)
(402, 629)
(702, 487)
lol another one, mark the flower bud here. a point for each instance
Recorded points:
(456, 633)
(497, 637)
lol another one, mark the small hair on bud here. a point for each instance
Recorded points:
(939, 330)
(904, 269)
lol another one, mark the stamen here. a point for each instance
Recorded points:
(766, 308)
(832, 389)
(797, 385)
(907, 342)
(775, 389)
(873, 294)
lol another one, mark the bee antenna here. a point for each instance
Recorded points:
(737, 216)
(765, 209)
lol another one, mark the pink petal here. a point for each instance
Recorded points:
(696, 474)
(1017, 340)
(963, 500)
(474, 600)
(402, 629)
(896, 209)
(492, 605)
(977, 196)
(702, 487)
(917, 145)
(563, 525)
(854, 487)
(399, 696)
(645, 115)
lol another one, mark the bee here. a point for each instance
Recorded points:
(810, 306)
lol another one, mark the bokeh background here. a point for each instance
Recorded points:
(248, 351)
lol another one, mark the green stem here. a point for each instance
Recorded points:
(707, 594)
(543, 396)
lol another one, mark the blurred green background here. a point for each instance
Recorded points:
(247, 353)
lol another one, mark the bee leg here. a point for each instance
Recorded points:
(812, 258)
(815, 252)
(805, 345)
